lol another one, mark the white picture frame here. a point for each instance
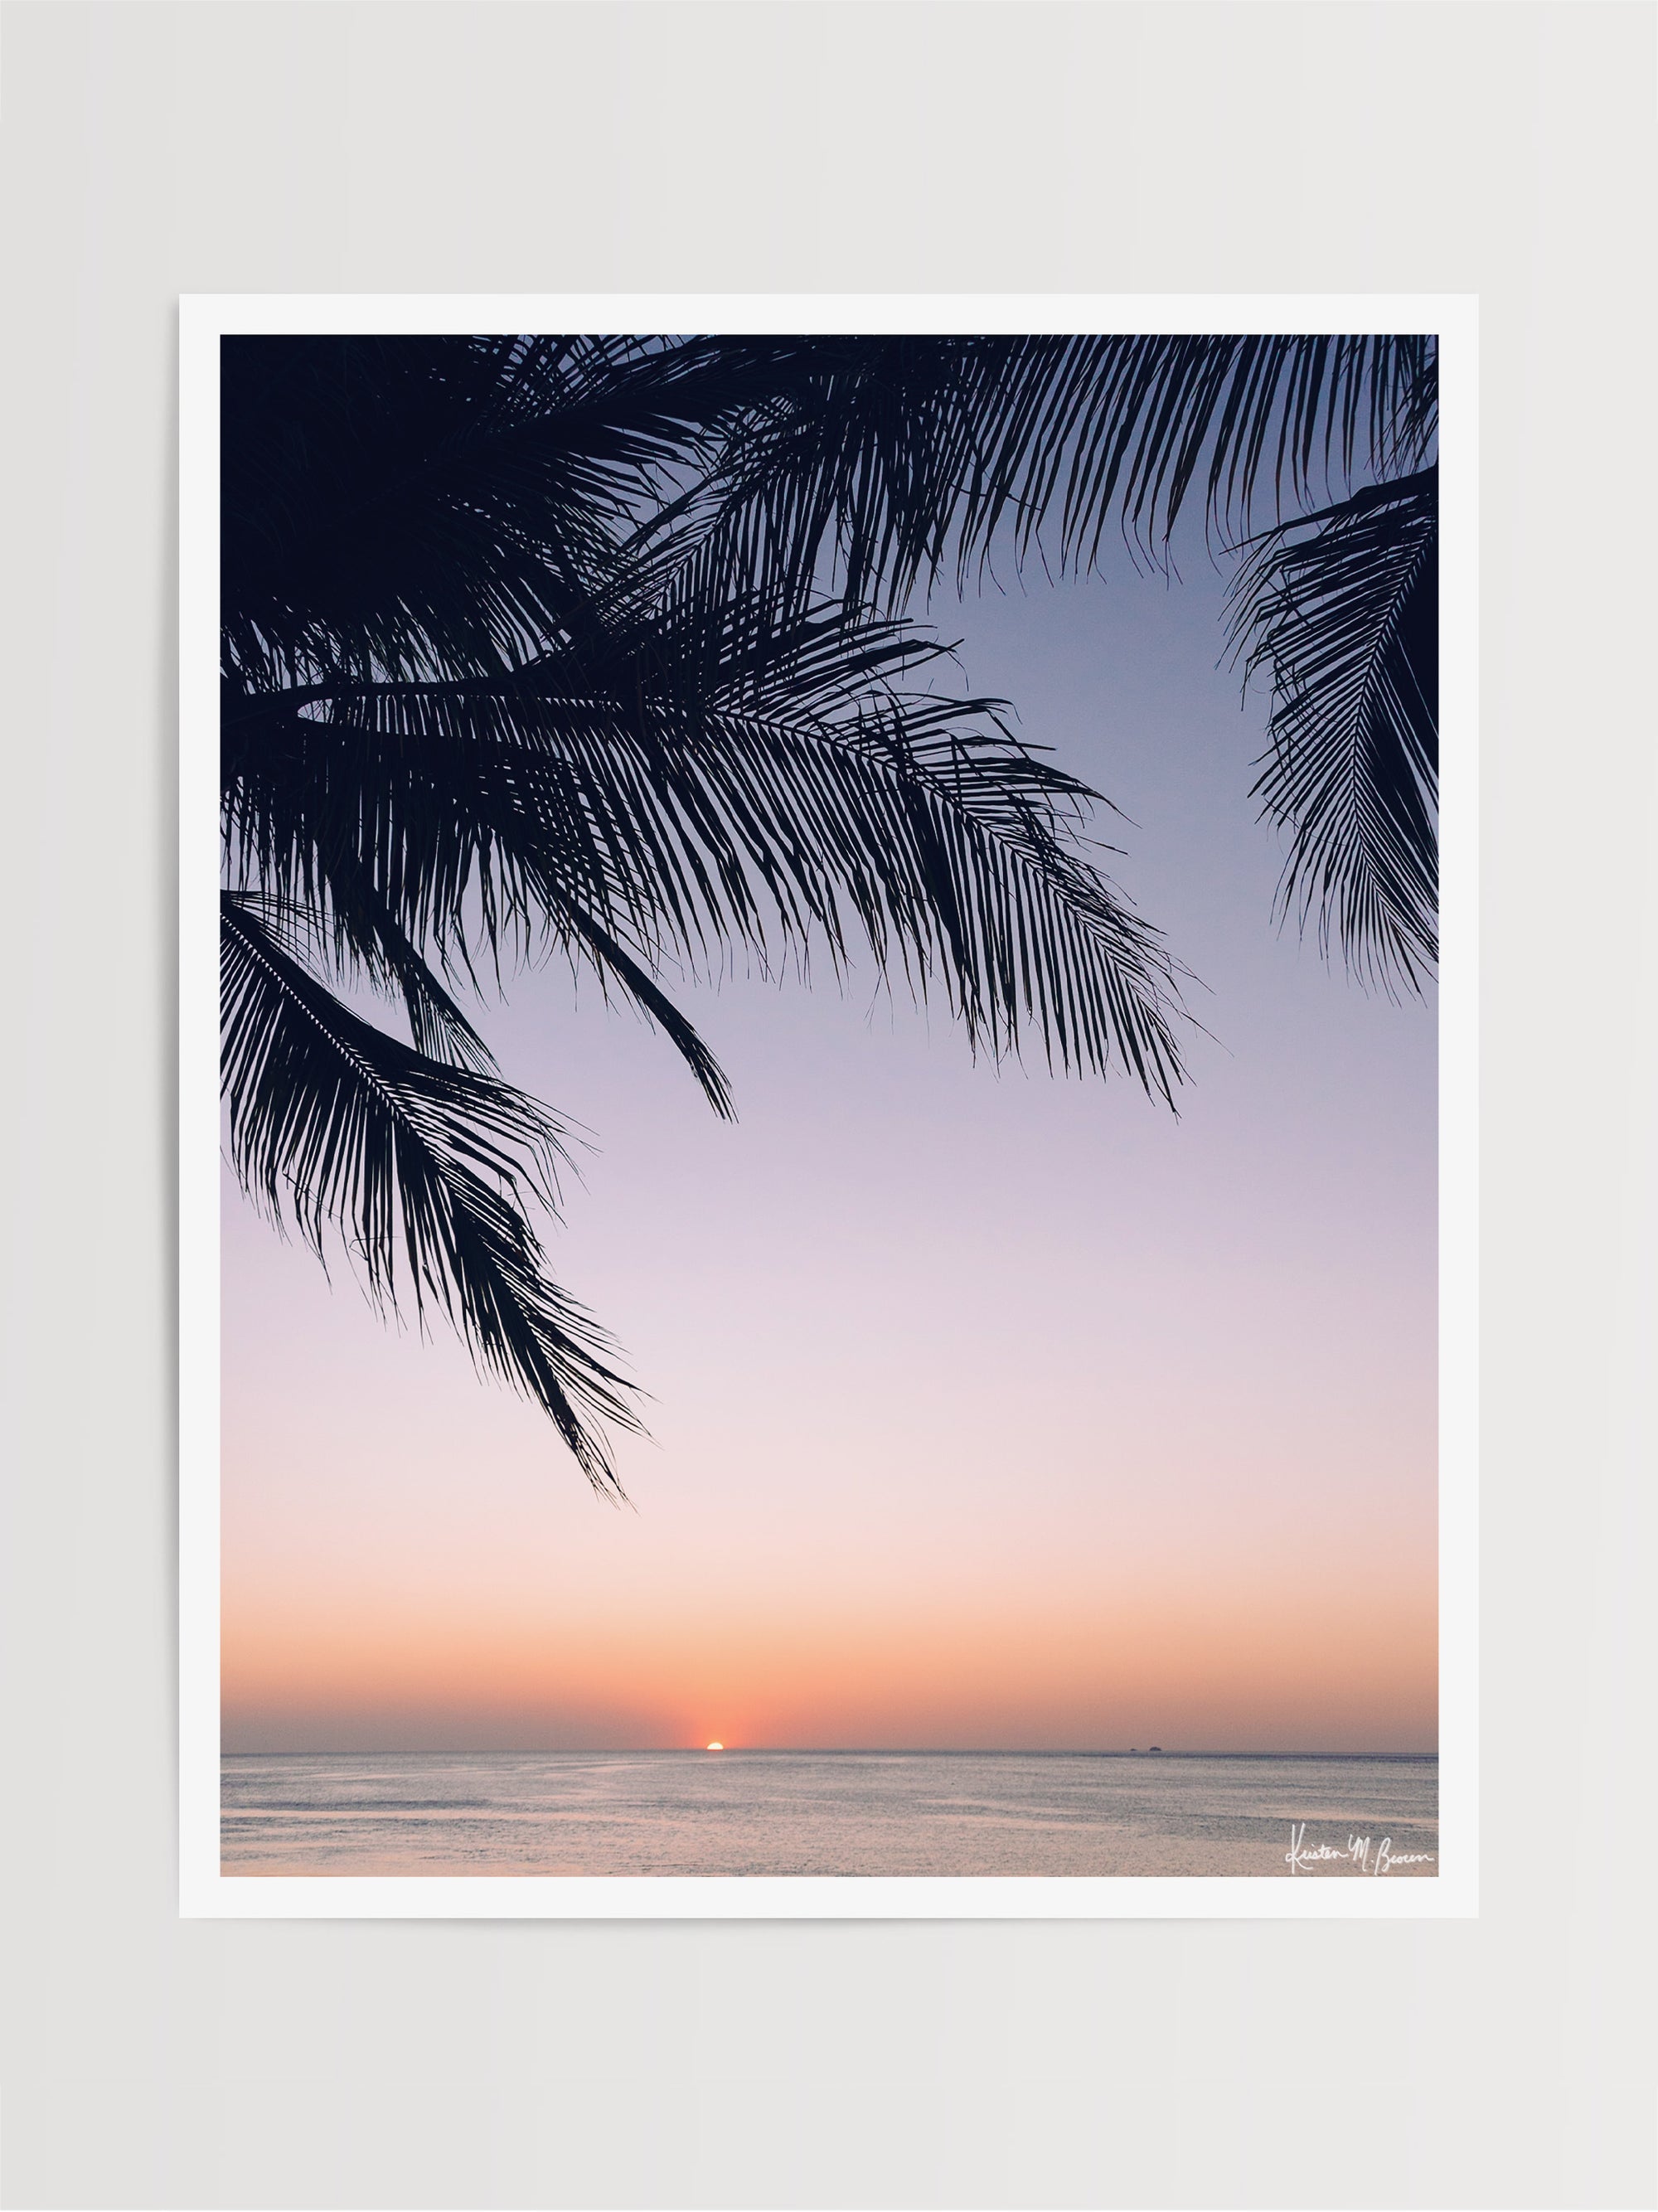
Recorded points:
(206, 1891)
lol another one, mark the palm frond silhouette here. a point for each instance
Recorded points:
(604, 647)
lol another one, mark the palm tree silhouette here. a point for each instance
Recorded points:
(602, 647)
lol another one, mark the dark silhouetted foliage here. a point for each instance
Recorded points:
(602, 647)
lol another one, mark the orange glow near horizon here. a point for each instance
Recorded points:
(1286, 1665)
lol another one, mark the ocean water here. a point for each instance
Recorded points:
(828, 1813)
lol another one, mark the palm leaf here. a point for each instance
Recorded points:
(892, 458)
(421, 1168)
(726, 785)
(616, 965)
(1339, 612)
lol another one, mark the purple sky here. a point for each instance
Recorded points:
(986, 1408)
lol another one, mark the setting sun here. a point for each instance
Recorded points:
(716, 1747)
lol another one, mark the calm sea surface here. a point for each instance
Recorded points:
(815, 1812)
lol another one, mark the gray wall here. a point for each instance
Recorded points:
(154, 149)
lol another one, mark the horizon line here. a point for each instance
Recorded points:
(807, 1750)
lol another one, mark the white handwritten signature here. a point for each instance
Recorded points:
(1361, 1854)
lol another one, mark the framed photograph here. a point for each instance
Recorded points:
(837, 964)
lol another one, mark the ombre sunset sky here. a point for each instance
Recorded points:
(987, 1408)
